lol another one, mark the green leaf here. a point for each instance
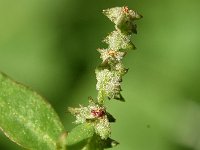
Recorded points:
(80, 133)
(96, 143)
(26, 118)
(83, 137)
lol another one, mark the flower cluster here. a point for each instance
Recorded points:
(96, 115)
(109, 73)
(108, 84)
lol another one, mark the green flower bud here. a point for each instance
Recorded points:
(123, 18)
(117, 41)
(108, 83)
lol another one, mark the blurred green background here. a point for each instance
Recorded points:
(51, 45)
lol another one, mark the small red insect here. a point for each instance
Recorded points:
(98, 112)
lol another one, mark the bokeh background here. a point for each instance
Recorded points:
(51, 45)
